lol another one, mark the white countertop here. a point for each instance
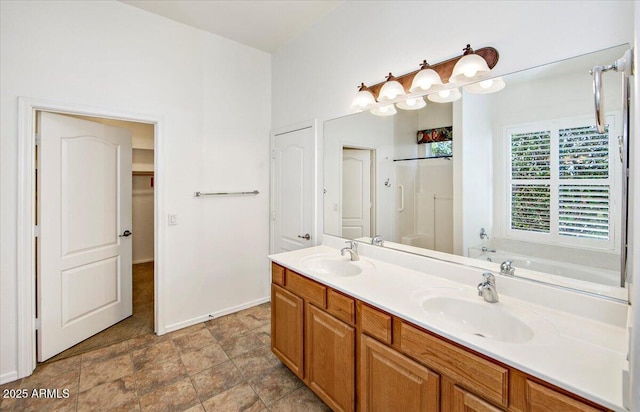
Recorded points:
(581, 355)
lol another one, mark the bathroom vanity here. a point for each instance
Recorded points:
(371, 335)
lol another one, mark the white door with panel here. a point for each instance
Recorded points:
(293, 165)
(84, 218)
(356, 193)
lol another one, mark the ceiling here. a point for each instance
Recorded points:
(262, 24)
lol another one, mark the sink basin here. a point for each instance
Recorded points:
(494, 321)
(331, 265)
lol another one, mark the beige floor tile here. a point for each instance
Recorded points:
(144, 340)
(7, 402)
(216, 380)
(264, 334)
(186, 331)
(302, 399)
(120, 392)
(227, 327)
(255, 317)
(239, 398)
(196, 408)
(155, 353)
(158, 374)
(193, 341)
(106, 353)
(95, 374)
(203, 358)
(51, 402)
(67, 380)
(276, 383)
(257, 362)
(238, 345)
(57, 367)
(175, 397)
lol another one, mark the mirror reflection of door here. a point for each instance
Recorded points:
(357, 193)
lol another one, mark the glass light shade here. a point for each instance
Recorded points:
(412, 103)
(469, 68)
(445, 96)
(486, 86)
(391, 90)
(363, 100)
(424, 80)
(386, 110)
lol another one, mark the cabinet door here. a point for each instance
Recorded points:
(392, 382)
(330, 359)
(540, 398)
(464, 401)
(286, 328)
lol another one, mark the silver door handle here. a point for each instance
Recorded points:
(126, 233)
(306, 236)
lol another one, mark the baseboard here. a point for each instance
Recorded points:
(8, 377)
(135, 262)
(180, 325)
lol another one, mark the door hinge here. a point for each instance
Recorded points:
(273, 215)
(36, 231)
(273, 154)
(36, 324)
(37, 139)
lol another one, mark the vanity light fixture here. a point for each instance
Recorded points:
(412, 103)
(391, 90)
(486, 86)
(469, 68)
(408, 91)
(364, 100)
(425, 79)
(385, 110)
(445, 96)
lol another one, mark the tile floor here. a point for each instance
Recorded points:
(221, 365)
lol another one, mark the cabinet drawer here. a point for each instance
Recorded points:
(341, 306)
(464, 401)
(376, 323)
(466, 369)
(541, 398)
(307, 289)
(277, 274)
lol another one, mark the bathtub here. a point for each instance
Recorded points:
(554, 267)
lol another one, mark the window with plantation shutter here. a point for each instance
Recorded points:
(561, 182)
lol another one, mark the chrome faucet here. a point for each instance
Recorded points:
(377, 241)
(352, 248)
(487, 288)
(506, 268)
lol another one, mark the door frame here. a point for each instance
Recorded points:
(26, 241)
(313, 125)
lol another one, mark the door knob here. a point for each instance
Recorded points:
(306, 236)
(126, 233)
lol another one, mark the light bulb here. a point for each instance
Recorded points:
(411, 102)
(470, 71)
(485, 84)
(384, 109)
(444, 93)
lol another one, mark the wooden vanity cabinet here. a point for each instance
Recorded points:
(330, 359)
(287, 328)
(316, 345)
(325, 337)
(392, 382)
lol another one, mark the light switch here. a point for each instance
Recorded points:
(173, 219)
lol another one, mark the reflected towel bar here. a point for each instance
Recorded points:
(198, 194)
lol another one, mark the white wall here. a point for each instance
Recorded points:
(109, 55)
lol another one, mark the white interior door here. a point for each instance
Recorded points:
(292, 190)
(356, 193)
(84, 208)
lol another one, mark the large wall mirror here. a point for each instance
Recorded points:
(525, 177)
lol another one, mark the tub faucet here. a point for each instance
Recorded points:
(352, 248)
(377, 241)
(487, 288)
(506, 268)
